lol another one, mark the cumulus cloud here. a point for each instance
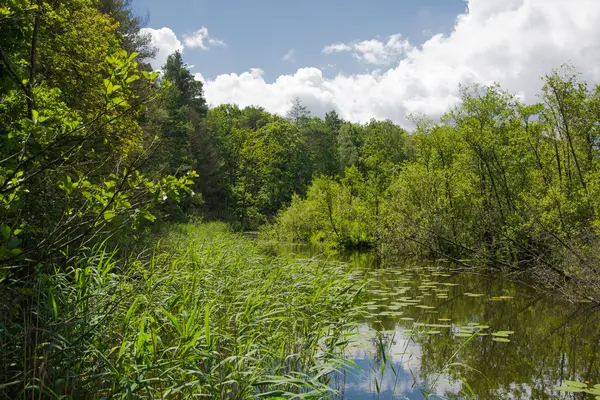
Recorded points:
(336, 48)
(290, 56)
(198, 77)
(201, 40)
(166, 43)
(373, 51)
(513, 42)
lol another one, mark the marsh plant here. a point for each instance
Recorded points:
(203, 314)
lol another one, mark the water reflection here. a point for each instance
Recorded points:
(430, 334)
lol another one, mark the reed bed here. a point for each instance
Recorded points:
(204, 314)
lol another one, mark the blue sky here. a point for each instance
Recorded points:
(382, 59)
(258, 33)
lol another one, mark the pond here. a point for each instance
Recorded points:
(429, 333)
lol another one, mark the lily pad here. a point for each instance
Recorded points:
(503, 334)
(439, 325)
(570, 389)
(576, 384)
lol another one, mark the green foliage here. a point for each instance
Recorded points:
(272, 166)
(206, 307)
(320, 139)
(334, 214)
(505, 183)
(345, 211)
(73, 153)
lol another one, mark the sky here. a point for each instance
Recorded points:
(382, 59)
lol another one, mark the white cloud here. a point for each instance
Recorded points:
(290, 56)
(166, 43)
(201, 40)
(198, 77)
(373, 51)
(513, 42)
(336, 48)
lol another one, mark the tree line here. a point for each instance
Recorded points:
(494, 182)
(96, 145)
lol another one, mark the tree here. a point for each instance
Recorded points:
(184, 107)
(297, 113)
(184, 90)
(321, 143)
(274, 164)
(128, 30)
(333, 121)
(350, 141)
(72, 151)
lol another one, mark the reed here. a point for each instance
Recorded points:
(204, 314)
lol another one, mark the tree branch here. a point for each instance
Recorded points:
(13, 73)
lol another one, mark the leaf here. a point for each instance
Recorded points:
(501, 339)
(576, 384)
(119, 101)
(5, 230)
(571, 389)
(148, 215)
(132, 56)
(109, 215)
(438, 325)
(132, 78)
(502, 333)
(112, 88)
(174, 321)
(53, 305)
(13, 243)
(207, 324)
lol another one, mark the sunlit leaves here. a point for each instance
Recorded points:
(580, 387)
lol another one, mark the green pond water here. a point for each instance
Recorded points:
(429, 333)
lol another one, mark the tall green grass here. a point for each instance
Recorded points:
(204, 314)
